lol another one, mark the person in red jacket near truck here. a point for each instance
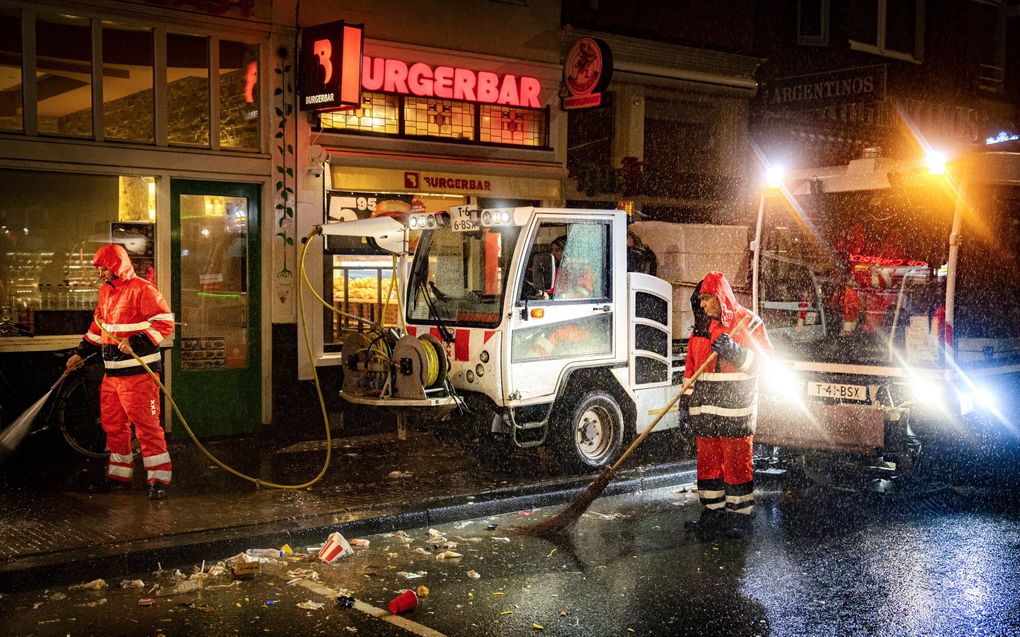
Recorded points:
(722, 406)
(132, 311)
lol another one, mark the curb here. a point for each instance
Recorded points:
(123, 558)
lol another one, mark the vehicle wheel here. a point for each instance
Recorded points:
(77, 412)
(590, 435)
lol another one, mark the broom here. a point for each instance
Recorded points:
(568, 517)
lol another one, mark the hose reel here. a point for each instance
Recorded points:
(419, 364)
(375, 365)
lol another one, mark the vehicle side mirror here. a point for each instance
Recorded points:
(542, 271)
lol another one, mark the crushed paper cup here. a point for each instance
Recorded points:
(336, 547)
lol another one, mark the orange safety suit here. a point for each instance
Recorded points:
(131, 308)
(723, 403)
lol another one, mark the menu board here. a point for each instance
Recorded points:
(207, 352)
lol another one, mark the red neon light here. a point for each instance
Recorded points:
(251, 78)
(350, 78)
(447, 82)
(886, 261)
(323, 50)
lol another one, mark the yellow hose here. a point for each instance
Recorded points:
(432, 357)
(322, 402)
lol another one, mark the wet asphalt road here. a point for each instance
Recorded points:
(821, 562)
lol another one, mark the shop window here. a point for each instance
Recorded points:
(64, 76)
(128, 108)
(239, 95)
(10, 71)
(519, 126)
(893, 28)
(441, 119)
(51, 226)
(363, 288)
(187, 90)
(438, 118)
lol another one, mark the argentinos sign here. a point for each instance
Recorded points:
(330, 74)
(819, 90)
(587, 69)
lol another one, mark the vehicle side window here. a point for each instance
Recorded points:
(568, 262)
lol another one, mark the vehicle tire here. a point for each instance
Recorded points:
(77, 413)
(590, 435)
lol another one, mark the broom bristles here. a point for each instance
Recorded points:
(568, 517)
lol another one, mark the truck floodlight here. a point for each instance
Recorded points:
(936, 162)
(774, 176)
(413, 222)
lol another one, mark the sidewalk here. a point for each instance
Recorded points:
(60, 531)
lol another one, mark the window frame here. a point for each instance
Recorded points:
(917, 57)
(822, 39)
(476, 108)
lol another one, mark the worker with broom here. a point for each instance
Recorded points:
(722, 405)
(131, 319)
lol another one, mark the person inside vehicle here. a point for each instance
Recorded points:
(574, 279)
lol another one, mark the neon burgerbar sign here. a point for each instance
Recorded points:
(449, 82)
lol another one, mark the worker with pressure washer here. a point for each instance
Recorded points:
(722, 405)
(131, 319)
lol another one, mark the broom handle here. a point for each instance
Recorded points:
(683, 388)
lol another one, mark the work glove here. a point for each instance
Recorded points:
(728, 350)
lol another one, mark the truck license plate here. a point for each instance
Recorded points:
(463, 219)
(835, 390)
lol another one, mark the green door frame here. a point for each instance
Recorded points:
(220, 400)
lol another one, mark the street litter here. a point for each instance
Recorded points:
(188, 586)
(500, 539)
(418, 550)
(98, 602)
(407, 575)
(400, 474)
(274, 554)
(147, 601)
(336, 547)
(314, 550)
(271, 602)
(56, 597)
(345, 598)
(230, 585)
(302, 573)
(407, 600)
(474, 575)
(310, 605)
(491, 527)
(423, 591)
(551, 553)
(132, 583)
(537, 627)
(525, 512)
(603, 516)
(360, 543)
(245, 570)
(216, 569)
(205, 608)
(448, 555)
(36, 605)
(436, 536)
(94, 585)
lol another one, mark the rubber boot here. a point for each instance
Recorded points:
(158, 491)
(707, 526)
(737, 526)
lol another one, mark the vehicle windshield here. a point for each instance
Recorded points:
(856, 277)
(459, 277)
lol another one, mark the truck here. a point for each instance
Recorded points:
(889, 289)
(512, 343)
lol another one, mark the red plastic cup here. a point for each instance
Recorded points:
(404, 602)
